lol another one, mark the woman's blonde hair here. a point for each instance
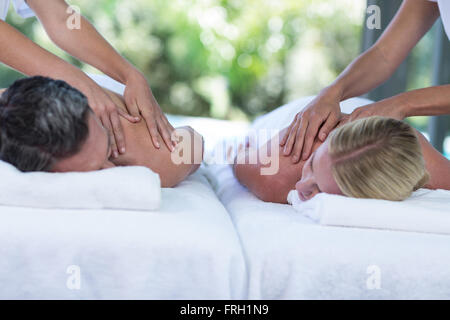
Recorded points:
(377, 158)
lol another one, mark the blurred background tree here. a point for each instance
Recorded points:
(228, 59)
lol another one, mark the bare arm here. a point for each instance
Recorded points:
(84, 43)
(87, 45)
(430, 101)
(376, 65)
(25, 56)
(393, 47)
(370, 69)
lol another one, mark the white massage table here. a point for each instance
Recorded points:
(188, 249)
(288, 256)
(212, 239)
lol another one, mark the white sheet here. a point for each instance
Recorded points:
(291, 257)
(425, 211)
(186, 250)
(190, 249)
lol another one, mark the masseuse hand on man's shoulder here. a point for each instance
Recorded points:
(317, 119)
(140, 101)
(108, 113)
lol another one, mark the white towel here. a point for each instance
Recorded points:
(135, 188)
(425, 211)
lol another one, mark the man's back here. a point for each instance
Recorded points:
(140, 150)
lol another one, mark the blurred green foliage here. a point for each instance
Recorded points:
(230, 59)
(227, 59)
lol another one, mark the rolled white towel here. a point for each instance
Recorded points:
(425, 211)
(133, 188)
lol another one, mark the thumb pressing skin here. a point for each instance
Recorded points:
(128, 116)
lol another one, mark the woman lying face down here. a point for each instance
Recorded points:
(46, 125)
(375, 157)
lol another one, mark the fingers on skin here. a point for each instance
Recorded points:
(358, 113)
(132, 108)
(299, 140)
(166, 136)
(310, 135)
(118, 132)
(286, 135)
(128, 116)
(152, 129)
(172, 132)
(171, 128)
(107, 124)
(291, 138)
(329, 125)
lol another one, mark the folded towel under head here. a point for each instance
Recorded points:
(134, 188)
(424, 211)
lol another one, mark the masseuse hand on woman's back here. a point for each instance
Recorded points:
(365, 73)
(322, 115)
(318, 118)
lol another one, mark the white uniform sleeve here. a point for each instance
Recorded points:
(4, 5)
(23, 9)
(444, 9)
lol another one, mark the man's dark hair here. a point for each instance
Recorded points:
(41, 120)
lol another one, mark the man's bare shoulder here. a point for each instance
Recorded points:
(140, 150)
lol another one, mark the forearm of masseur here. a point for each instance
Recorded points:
(377, 64)
(23, 55)
(83, 42)
(421, 102)
(361, 75)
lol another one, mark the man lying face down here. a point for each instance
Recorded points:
(375, 157)
(47, 125)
